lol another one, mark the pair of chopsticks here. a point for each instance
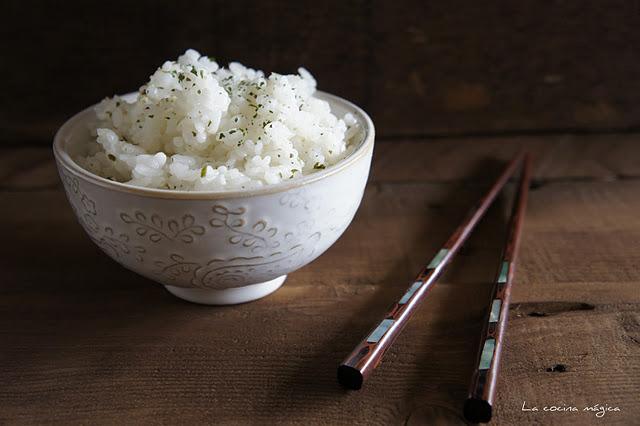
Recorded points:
(360, 363)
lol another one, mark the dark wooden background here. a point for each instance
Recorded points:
(421, 69)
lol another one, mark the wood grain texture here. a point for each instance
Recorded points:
(436, 68)
(453, 67)
(557, 158)
(85, 341)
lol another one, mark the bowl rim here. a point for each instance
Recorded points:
(65, 160)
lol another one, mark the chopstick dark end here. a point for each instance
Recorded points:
(349, 377)
(477, 410)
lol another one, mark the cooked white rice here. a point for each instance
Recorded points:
(196, 126)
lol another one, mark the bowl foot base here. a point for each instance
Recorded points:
(230, 296)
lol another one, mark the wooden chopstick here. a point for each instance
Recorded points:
(359, 364)
(479, 405)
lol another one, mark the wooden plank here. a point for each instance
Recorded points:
(605, 157)
(580, 382)
(87, 341)
(436, 68)
(584, 157)
(459, 67)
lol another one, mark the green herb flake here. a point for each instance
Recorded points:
(194, 71)
(111, 157)
(199, 92)
(221, 135)
(180, 77)
(150, 115)
(203, 172)
(319, 166)
(232, 132)
(193, 133)
(209, 123)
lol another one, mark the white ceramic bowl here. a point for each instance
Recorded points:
(216, 247)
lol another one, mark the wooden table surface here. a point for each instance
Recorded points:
(85, 341)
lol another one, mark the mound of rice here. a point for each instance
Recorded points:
(197, 126)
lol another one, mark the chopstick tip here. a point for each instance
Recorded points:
(477, 410)
(349, 377)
